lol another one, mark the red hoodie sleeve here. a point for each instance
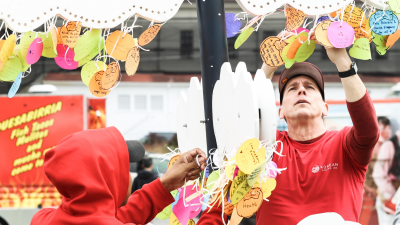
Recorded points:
(212, 217)
(144, 204)
(364, 134)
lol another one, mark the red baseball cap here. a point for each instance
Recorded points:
(300, 69)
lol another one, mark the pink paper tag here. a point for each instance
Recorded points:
(300, 29)
(66, 61)
(272, 173)
(34, 51)
(236, 172)
(340, 36)
(192, 208)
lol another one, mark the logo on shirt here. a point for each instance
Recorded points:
(315, 168)
(330, 166)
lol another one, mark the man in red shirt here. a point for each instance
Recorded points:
(325, 169)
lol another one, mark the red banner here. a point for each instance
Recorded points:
(30, 126)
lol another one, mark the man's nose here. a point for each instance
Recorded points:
(302, 90)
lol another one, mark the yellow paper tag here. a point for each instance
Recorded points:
(253, 177)
(361, 49)
(239, 188)
(250, 155)
(267, 187)
(8, 48)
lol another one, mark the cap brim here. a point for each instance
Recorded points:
(136, 150)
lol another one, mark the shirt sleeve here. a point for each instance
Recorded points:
(145, 204)
(362, 137)
(381, 170)
(213, 216)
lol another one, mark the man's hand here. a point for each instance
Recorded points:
(185, 167)
(338, 56)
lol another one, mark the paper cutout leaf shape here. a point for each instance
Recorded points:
(361, 49)
(294, 18)
(148, 35)
(243, 37)
(132, 61)
(271, 51)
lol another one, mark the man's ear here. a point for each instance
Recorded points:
(281, 116)
(325, 110)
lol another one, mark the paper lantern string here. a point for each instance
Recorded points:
(27, 72)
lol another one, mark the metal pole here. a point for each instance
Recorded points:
(214, 52)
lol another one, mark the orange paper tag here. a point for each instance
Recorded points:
(59, 40)
(250, 203)
(295, 46)
(173, 160)
(70, 33)
(110, 76)
(132, 61)
(148, 35)
(294, 18)
(118, 46)
(353, 16)
(95, 85)
(321, 33)
(392, 39)
(2, 43)
(271, 51)
(228, 207)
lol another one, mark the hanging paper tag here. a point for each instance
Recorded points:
(49, 46)
(118, 46)
(294, 18)
(89, 69)
(250, 155)
(65, 61)
(15, 86)
(239, 188)
(70, 32)
(95, 85)
(232, 25)
(302, 53)
(384, 23)
(228, 207)
(321, 33)
(395, 6)
(211, 180)
(11, 69)
(353, 15)
(322, 18)
(340, 36)
(380, 44)
(235, 218)
(34, 51)
(173, 160)
(250, 203)
(86, 43)
(267, 187)
(271, 50)
(254, 176)
(243, 37)
(148, 35)
(392, 39)
(361, 49)
(132, 61)
(8, 48)
(92, 53)
(110, 76)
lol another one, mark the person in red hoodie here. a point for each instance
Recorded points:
(90, 169)
(325, 169)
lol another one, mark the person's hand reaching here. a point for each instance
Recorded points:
(185, 167)
(338, 56)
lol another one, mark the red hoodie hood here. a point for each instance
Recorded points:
(91, 171)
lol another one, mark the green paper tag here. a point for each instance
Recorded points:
(253, 177)
(302, 54)
(211, 179)
(380, 43)
(243, 37)
(89, 69)
(92, 54)
(361, 49)
(86, 43)
(49, 49)
(11, 69)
